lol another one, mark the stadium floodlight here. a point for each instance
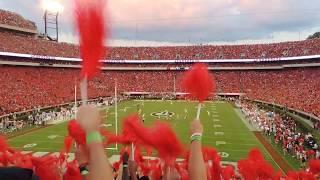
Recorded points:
(53, 6)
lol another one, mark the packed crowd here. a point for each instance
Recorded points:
(24, 88)
(284, 131)
(14, 19)
(37, 46)
(294, 88)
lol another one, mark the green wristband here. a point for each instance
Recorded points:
(195, 138)
(93, 137)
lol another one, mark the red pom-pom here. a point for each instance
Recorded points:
(3, 144)
(127, 132)
(198, 82)
(76, 132)
(278, 176)
(182, 170)
(68, 140)
(168, 145)
(145, 169)
(255, 167)
(116, 165)
(314, 166)
(300, 175)
(90, 20)
(156, 170)
(247, 169)
(127, 137)
(72, 172)
(23, 161)
(137, 155)
(47, 167)
(110, 138)
(148, 150)
(214, 170)
(228, 172)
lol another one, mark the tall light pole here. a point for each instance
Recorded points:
(52, 8)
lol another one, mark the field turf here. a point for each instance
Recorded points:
(223, 128)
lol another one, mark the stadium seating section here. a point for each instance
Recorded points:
(28, 87)
(30, 45)
(16, 20)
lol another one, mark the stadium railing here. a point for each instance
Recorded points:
(152, 67)
(305, 115)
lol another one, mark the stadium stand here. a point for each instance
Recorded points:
(27, 87)
(36, 46)
(32, 87)
(16, 20)
(272, 86)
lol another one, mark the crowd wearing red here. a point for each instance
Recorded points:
(14, 19)
(28, 87)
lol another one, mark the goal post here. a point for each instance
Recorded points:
(115, 115)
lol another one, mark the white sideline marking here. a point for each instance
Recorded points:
(220, 102)
(217, 126)
(55, 154)
(215, 115)
(223, 154)
(106, 125)
(219, 133)
(216, 120)
(39, 154)
(52, 136)
(26, 152)
(114, 158)
(220, 143)
(30, 145)
(113, 148)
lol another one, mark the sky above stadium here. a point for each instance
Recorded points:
(181, 22)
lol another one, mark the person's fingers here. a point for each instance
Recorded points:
(196, 127)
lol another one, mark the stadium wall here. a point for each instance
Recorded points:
(121, 67)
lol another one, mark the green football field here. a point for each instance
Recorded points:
(223, 127)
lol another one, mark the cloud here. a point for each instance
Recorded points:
(192, 21)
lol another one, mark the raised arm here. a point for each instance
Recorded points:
(89, 118)
(197, 169)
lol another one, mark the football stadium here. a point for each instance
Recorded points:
(92, 110)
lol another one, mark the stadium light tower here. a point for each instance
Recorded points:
(52, 8)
